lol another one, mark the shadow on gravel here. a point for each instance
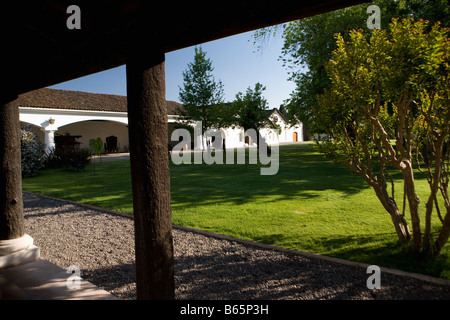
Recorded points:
(236, 276)
(212, 268)
(120, 280)
(246, 273)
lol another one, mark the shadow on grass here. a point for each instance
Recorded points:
(34, 206)
(302, 174)
(384, 250)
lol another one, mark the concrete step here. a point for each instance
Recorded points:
(43, 280)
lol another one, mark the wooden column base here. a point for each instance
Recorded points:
(18, 251)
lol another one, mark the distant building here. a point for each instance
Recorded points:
(58, 115)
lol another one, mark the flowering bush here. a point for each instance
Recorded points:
(32, 152)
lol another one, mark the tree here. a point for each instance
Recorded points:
(249, 110)
(309, 42)
(96, 146)
(201, 95)
(388, 111)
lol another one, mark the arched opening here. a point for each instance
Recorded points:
(113, 134)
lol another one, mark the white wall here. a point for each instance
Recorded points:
(86, 124)
(41, 116)
(51, 121)
(94, 129)
(287, 132)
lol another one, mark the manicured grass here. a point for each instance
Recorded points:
(311, 204)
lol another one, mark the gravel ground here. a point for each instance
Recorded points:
(206, 267)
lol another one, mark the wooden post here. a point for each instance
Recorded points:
(11, 204)
(16, 247)
(147, 126)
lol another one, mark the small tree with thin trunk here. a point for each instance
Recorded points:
(387, 112)
(96, 146)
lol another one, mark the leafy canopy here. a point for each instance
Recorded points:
(201, 95)
(309, 42)
(249, 109)
(388, 102)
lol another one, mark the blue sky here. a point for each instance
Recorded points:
(236, 62)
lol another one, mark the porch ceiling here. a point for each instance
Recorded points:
(39, 50)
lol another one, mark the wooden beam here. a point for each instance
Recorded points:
(147, 127)
(11, 204)
(106, 26)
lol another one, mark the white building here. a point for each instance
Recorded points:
(59, 115)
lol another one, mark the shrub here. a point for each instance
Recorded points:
(32, 153)
(68, 158)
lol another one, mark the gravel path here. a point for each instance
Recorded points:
(206, 267)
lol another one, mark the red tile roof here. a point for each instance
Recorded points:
(78, 100)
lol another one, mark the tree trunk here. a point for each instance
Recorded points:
(443, 235)
(413, 201)
(11, 204)
(147, 114)
(434, 187)
(400, 224)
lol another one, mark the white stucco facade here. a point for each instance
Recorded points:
(92, 124)
(56, 121)
(288, 133)
(236, 137)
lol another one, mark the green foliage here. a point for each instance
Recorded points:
(201, 95)
(389, 97)
(69, 158)
(374, 78)
(309, 44)
(96, 145)
(249, 109)
(32, 153)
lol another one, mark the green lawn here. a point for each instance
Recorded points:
(311, 204)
